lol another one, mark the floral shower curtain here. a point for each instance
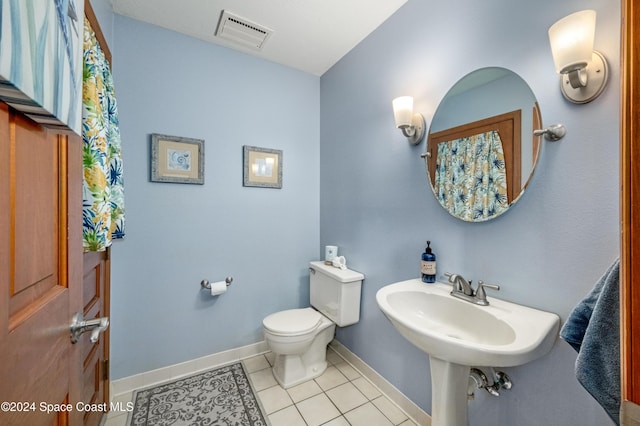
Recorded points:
(471, 180)
(103, 188)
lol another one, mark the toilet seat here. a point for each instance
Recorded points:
(293, 322)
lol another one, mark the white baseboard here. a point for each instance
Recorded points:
(417, 414)
(171, 372)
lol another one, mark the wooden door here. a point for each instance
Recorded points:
(44, 378)
(40, 272)
(630, 215)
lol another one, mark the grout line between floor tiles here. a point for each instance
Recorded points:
(382, 393)
(341, 414)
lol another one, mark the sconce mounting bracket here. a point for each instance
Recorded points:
(415, 132)
(597, 72)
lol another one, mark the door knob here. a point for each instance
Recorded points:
(79, 325)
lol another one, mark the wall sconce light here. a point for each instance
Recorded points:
(583, 71)
(412, 125)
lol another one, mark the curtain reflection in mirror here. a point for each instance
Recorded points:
(470, 178)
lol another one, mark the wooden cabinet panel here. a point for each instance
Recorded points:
(95, 355)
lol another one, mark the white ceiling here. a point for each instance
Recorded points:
(309, 35)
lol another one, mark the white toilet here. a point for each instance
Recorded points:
(299, 337)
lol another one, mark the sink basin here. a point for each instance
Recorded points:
(458, 334)
(503, 334)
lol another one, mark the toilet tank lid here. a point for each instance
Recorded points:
(341, 275)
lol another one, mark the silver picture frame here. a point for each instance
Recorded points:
(262, 167)
(177, 159)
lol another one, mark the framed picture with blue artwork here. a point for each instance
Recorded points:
(41, 60)
(176, 159)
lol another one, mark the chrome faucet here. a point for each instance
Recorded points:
(462, 289)
(460, 285)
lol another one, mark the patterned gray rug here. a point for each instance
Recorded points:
(222, 396)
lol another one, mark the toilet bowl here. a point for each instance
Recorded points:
(299, 337)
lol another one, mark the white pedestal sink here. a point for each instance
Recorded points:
(458, 334)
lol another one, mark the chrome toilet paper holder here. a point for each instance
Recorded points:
(207, 285)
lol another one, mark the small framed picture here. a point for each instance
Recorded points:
(177, 160)
(262, 167)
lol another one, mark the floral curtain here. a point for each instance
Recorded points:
(471, 180)
(103, 188)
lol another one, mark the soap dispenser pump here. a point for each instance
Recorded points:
(428, 265)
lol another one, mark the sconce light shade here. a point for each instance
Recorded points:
(412, 125)
(403, 111)
(571, 41)
(584, 71)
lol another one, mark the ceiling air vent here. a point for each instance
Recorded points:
(242, 31)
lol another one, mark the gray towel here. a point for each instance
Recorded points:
(593, 329)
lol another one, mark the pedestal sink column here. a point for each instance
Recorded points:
(449, 384)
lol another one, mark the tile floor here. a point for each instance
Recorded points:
(341, 396)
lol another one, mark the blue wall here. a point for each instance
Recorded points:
(178, 234)
(351, 179)
(376, 205)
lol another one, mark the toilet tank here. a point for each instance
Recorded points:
(335, 292)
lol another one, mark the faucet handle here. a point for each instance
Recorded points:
(451, 278)
(481, 295)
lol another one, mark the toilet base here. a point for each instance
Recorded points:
(291, 370)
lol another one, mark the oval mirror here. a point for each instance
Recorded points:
(481, 152)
